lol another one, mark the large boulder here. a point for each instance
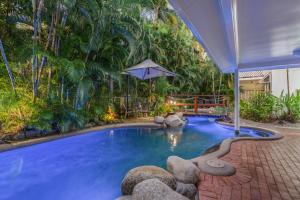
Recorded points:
(154, 189)
(174, 121)
(159, 120)
(184, 170)
(187, 190)
(180, 115)
(139, 174)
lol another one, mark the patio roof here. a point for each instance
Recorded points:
(246, 35)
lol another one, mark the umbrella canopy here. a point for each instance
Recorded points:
(148, 70)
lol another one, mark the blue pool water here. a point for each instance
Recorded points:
(91, 166)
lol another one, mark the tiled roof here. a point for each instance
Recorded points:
(254, 74)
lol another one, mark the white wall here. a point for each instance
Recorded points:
(279, 81)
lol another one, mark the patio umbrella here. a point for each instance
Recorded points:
(146, 71)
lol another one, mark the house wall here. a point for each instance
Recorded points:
(251, 85)
(250, 88)
(279, 81)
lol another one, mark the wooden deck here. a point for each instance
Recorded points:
(265, 170)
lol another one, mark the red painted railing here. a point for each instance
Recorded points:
(197, 101)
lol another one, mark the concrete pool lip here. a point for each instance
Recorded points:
(35, 141)
(203, 162)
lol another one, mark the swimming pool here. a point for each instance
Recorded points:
(92, 166)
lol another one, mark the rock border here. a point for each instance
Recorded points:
(202, 162)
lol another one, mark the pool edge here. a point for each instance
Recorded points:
(35, 141)
(224, 148)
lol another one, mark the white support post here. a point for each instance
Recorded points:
(236, 101)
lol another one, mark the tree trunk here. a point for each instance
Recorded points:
(156, 14)
(44, 58)
(62, 91)
(12, 80)
(213, 86)
(288, 89)
(55, 26)
(57, 44)
(37, 10)
(220, 84)
(288, 82)
(49, 82)
(34, 64)
(63, 24)
(111, 85)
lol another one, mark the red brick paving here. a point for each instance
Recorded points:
(265, 170)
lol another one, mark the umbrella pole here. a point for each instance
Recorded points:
(127, 94)
(150, 87)
(149, 94)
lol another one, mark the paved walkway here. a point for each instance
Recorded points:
(265, 170)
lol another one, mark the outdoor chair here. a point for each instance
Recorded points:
(141, 109)
(127, 112)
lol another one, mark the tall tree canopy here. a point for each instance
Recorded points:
(64, 58)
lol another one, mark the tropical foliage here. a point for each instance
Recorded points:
(259, 107)
(62, 60)
(288, 107)
(265, 107)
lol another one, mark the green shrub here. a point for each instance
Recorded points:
(259, 107)
(161, 108)
(66, 117)
(266, 107)
(109, 116)
(19, 112)
(288, 107)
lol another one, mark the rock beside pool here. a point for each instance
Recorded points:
(184, 170)
(139, 174)
(180, 115)
(187, 190)
(216, 167)
(159, 120)
(174, 121)
(154, 189)
(127, 197)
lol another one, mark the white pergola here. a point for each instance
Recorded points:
(245, 35)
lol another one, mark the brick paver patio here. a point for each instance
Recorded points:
(265, 170)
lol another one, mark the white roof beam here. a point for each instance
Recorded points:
(205, 20)
(245, 34)
(228, 8)
(269, 65)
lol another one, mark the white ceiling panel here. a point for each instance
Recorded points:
(248, 34)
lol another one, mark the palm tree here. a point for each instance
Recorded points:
(37, 7)
(113, 33)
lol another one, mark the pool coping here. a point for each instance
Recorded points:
(202, 162)
(35, 141)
